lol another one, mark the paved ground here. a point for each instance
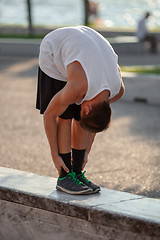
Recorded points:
(126, 157)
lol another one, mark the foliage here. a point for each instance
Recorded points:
(151, 69)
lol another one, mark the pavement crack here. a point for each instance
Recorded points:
(131, 199)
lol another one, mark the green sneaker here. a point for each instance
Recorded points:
(70, 184)
(88, 183)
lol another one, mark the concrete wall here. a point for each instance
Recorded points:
(142, 88)
(30, 47)
(19, 47)
(40, 31)
(31, 208)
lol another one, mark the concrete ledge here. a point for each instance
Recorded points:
(110, 32)
(31, 208)
(142, 88)
(19, 47)
(128, 45)
(30, 47)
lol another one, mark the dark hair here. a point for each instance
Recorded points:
(98, 118)
(147, 14)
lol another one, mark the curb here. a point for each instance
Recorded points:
(19, 47)
(33, 208)
(30, 47)
(142, 88)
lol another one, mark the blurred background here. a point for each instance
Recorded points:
(49, 13)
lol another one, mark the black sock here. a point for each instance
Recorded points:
(78, 157)
(66, 157)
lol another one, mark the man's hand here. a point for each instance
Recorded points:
(59, 164)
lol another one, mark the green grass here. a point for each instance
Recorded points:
(142, 69)
(22, 36)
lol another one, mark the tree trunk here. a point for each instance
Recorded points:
(30, 26)
(86, 12)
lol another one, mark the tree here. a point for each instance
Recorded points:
(86, 12)
(30, 25)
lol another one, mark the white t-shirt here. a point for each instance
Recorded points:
(142, 30)
(90, 49)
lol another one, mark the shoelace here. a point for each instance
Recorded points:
(72, 175)
(83, 176)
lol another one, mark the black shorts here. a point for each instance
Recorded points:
(46, 90)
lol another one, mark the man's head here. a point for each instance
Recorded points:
(96, 118)
(147, 14)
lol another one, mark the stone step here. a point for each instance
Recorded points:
(30, 47)
(142, 88)
(31, 208)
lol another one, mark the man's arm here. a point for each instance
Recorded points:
(121, 92)
(71, 93)
(56, 107)
(50, 125)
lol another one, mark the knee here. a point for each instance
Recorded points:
(62, 121)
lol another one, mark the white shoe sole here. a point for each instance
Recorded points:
(87, 191)
(97, 190)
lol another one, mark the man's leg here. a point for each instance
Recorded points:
(79, 145)
(81, 140)
(68, 182)
(153, 42)
(64, 135)
(64, 142)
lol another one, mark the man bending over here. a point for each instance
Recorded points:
(78, 79)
